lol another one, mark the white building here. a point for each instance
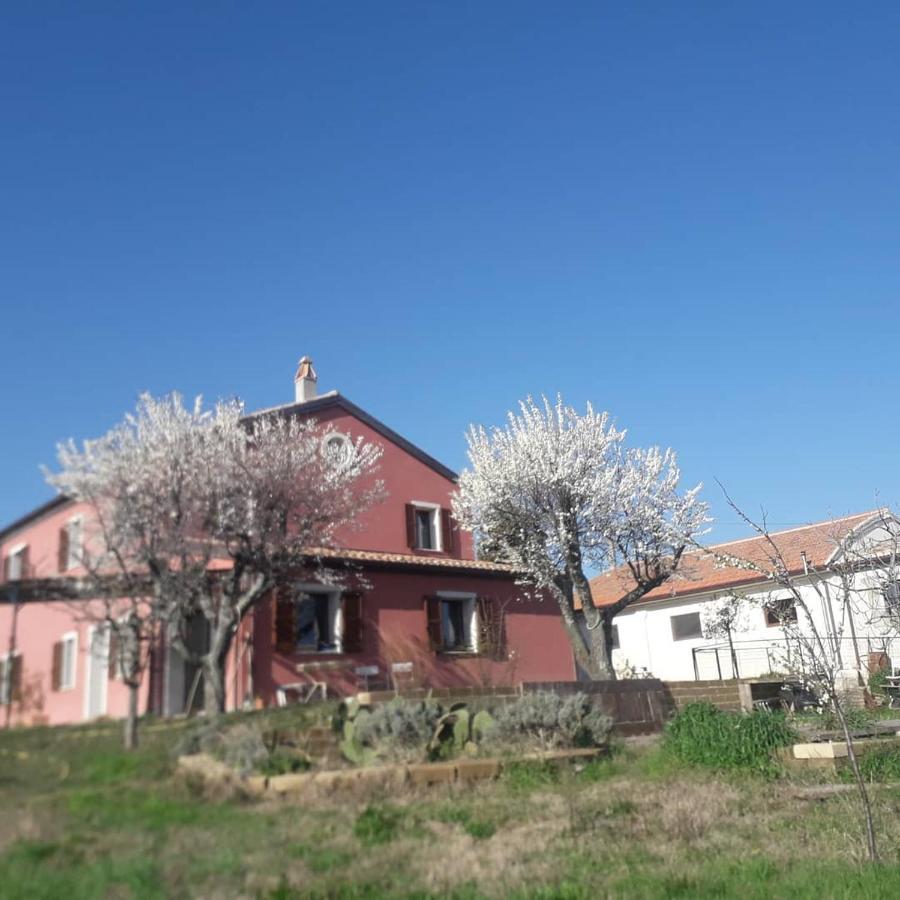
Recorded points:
(666, 632)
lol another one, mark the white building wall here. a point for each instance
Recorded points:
(646, 639)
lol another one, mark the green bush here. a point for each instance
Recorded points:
(856, 719)
(881, 765)
(551, 721)
(703, 735)
(877, 682)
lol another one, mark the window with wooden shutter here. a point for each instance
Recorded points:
(15, 677)
(25, 570)
(411, 526)
(447, 531)
(63, 557)
(491, 629)
(56, 667)
(6, 565)
(284, 621)
(352, 616)
(433, 623)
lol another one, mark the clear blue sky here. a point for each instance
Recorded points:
(687, 213)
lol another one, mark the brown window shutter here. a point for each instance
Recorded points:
(284, 627)
(433, 623)
(15, 677)
(113, 653)
(63, 560)
(447, 531)
(26, 566)
(491, 629)
(352, 614)
(410, 526)
(6, 568)
(56, 668)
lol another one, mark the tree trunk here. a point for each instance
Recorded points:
(213, 686)
(130, 736)
(601, 639)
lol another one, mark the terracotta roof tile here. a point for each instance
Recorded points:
(700, 571)
(409, 559)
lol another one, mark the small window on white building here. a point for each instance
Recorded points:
(615, 637)
(891, 594)
(686, 627)
(780, 612)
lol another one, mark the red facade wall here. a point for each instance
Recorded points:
(395, 631)
(406, 479)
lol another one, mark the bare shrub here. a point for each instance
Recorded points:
(551, 721)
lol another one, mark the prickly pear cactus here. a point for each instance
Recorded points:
(482, 725)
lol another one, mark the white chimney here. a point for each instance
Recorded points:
(305, 381)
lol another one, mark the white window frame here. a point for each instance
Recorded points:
(69, 636)
(74, 553)
(471, 600)
(335, 615)
(436, 529)
(5, 672)
(13, 552)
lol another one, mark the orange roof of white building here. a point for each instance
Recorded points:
(701, 571)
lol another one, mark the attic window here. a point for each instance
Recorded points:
(337, 448)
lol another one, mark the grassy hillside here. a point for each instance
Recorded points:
(81, 818)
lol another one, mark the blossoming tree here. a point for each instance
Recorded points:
(556, 494)
(211, 510)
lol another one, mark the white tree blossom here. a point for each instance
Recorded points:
(721, 618)
(556, 494)
(211, 510)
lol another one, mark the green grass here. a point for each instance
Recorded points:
(83, 819)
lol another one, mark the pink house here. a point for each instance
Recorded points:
(430, 614)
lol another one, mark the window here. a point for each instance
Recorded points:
(428, 527)
(308, 619)
(337, 448)
(10, 677)
(453, 623)
(686, 627)
(316, 623)
(425, 530)
(65, 660)
(780, 612)
(70, 545)
(15, 566)
(615, 637)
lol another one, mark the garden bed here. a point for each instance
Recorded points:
(216, 777)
